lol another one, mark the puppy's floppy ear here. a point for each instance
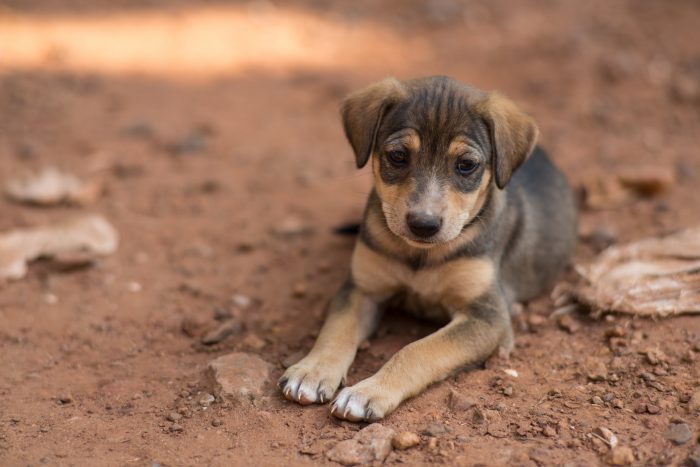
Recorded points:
(513, 135)
(362, 114)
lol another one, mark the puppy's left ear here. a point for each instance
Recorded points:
(362, 114)
(513, 135)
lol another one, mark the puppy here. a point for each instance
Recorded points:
(467, 216)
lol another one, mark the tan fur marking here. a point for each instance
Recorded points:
(453, 284)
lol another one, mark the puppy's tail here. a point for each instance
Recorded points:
(347, 229)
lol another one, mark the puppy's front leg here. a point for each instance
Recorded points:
(469, 338)
(352, 317)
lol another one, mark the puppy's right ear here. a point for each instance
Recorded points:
(362, 114)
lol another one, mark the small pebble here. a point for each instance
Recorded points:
(223, 331)
(176, 428)
(217, 422)
(405, 440)
(435, 429)
(535, 321)
(568, 323)
(241, 301)
(64, 399)
(206, 399)
(607, 435)
(291, 226)
(299, 290)
(459, 402)
(621, 455)
(508, 391)
(693, 459)
(254, 342)
(173, 417)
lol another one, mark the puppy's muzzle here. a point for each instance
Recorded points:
(423, 225)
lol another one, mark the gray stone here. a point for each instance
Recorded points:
(372, 443)
(679, 433)
(238, 377)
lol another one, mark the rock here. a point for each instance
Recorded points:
(535, 321)
(615, 331)
(372, 443)
(64, 399)
(655, 356)
(648, 181)
(224, 330)
(290, 227)
(435, 429)
(191, 327)
(685, 89)
(596, 400)
(217, 422)
(598, 371)
(678, 433)
(206, 400)
(238, 377)
(606, 435)
(173, 417)
(405, 440)
(508, 391)
(621, 455)
(549, 432)
(568, 323)
(254, 342)
(299, 290)
(693, 459)
(53, 186)
(694, 402)
(176, 428)
(653, 409)
(459, 402)
(241, 301)
(191, 144)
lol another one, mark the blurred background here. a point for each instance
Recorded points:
(213, 126)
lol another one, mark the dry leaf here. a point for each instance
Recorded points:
(78, 240)
(612, 191)
(651, 277)
(53, 186)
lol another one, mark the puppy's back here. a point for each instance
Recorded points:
(544, 225)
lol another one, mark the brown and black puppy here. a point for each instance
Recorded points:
(451, 229)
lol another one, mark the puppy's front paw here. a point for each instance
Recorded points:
(364, 401)
(309, 382)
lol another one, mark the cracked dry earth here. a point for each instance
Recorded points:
(225, 184)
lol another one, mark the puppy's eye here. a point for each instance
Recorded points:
(466, 166)
(397, 158)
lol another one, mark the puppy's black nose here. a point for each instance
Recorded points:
(423, 225)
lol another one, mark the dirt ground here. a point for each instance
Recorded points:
(210, 156)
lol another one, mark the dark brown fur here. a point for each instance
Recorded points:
(466, 217)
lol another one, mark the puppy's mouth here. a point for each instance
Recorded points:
(421, 242)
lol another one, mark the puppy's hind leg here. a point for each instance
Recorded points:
(469, 338)
(352, 317)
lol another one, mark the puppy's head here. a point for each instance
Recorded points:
(437, 147)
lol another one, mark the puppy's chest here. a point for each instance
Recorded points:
(448, 286)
